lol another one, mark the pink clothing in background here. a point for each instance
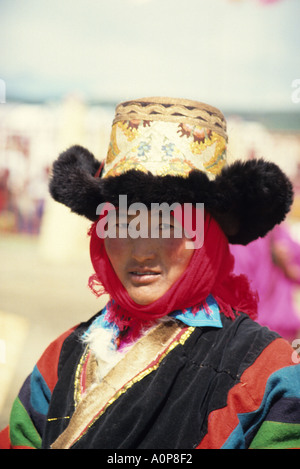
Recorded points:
(276, 308)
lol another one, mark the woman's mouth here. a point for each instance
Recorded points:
(143, 277)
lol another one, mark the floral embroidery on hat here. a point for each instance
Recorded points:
(125, 164)
(145, 138)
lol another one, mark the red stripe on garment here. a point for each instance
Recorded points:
(5, 442)
(222, 422)
(48, 362)
(4, 438)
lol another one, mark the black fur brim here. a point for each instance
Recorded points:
(247, 199)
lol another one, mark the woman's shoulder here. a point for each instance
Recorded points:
(238, 345)
(250, 342)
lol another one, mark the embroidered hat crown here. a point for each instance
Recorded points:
(174, 150)
(166, 136)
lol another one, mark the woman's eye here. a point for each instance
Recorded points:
(122, 227)
(165, 226)
(165, 230)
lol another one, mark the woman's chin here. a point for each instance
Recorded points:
(142, 296)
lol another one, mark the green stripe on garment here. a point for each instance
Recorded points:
(22, 430)
(277, 435)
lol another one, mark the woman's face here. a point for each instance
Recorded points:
(148, 267)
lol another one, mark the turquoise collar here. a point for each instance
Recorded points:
(207, 314)
(204, 315)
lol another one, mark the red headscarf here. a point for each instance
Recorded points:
(209, 272)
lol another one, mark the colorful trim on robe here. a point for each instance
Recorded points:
(206, 314)
(261, 409)
(30, 408)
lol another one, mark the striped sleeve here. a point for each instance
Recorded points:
(263, 408)
(30, 408)
(280, 428)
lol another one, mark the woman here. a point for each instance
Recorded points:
(175, 359)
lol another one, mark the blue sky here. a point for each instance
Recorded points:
(230, 53)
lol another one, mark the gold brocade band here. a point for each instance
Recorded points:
(143, 358)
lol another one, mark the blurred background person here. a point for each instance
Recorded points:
(272, 265)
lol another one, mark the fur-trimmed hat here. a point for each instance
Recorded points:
(174, 150)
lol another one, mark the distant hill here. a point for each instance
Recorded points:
(279, 121)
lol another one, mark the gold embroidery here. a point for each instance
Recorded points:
(145, 355)
(139, 377)
(165, 136)
(146, 372)
(176, 167)
(58, 418)
(77, 385)
(218, 161)
(173, 110)
(131, 132)
(113, 150)
(125, 164)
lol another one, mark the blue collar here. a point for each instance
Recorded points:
(201, 316)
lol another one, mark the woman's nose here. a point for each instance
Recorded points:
(143, 249)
